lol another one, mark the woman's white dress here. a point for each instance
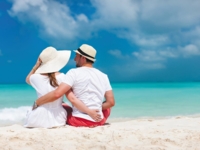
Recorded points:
(48, 115)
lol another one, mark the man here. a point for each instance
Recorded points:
(89, 85)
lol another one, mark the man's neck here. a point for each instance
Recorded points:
(87, 65)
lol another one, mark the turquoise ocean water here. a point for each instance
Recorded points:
(133, 100)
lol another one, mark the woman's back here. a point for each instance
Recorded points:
(50, 114)
(42, 86)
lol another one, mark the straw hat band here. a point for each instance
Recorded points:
(80, 51)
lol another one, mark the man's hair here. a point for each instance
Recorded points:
(90, 61)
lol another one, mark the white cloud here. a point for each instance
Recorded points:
(170, 13)
(53, 18)
(82, 18)
(153, 65)
(114, 14)
(190, 50)
(145, 23)
(26, 5)
(161, 29)
(192, 36)
(158, 58)
(150, 41)
(148, 56)
(168, 53)
(163, 55)
(118, 54)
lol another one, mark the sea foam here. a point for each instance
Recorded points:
(10, 116)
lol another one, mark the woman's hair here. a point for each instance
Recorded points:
(52, 79)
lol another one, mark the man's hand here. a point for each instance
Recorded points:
(94, 114)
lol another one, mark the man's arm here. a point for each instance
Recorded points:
(93, 113)
(110, 101)
(52, 96)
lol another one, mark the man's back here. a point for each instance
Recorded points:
(89, 85)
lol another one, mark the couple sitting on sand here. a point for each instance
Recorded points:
(85, 87)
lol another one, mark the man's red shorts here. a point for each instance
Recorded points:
(80, 122)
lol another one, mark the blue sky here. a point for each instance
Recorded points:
(136, 40)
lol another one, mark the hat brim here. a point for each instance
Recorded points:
(85, 56)
(55, 64)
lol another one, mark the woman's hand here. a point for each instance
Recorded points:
(94, 114)
(38, 63)
(36, 66)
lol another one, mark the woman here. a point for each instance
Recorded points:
(44, 77)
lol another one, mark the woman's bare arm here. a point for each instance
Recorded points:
(38, 63)
(93, 113)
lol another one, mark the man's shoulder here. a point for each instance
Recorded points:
(73, 71)
(78, 69)
(99, 71)
(85, 69)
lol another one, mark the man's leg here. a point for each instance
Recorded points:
(106, 114)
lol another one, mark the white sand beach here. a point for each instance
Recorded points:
(180, 133)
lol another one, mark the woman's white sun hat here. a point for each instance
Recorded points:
(53, 60)
(87, 51)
